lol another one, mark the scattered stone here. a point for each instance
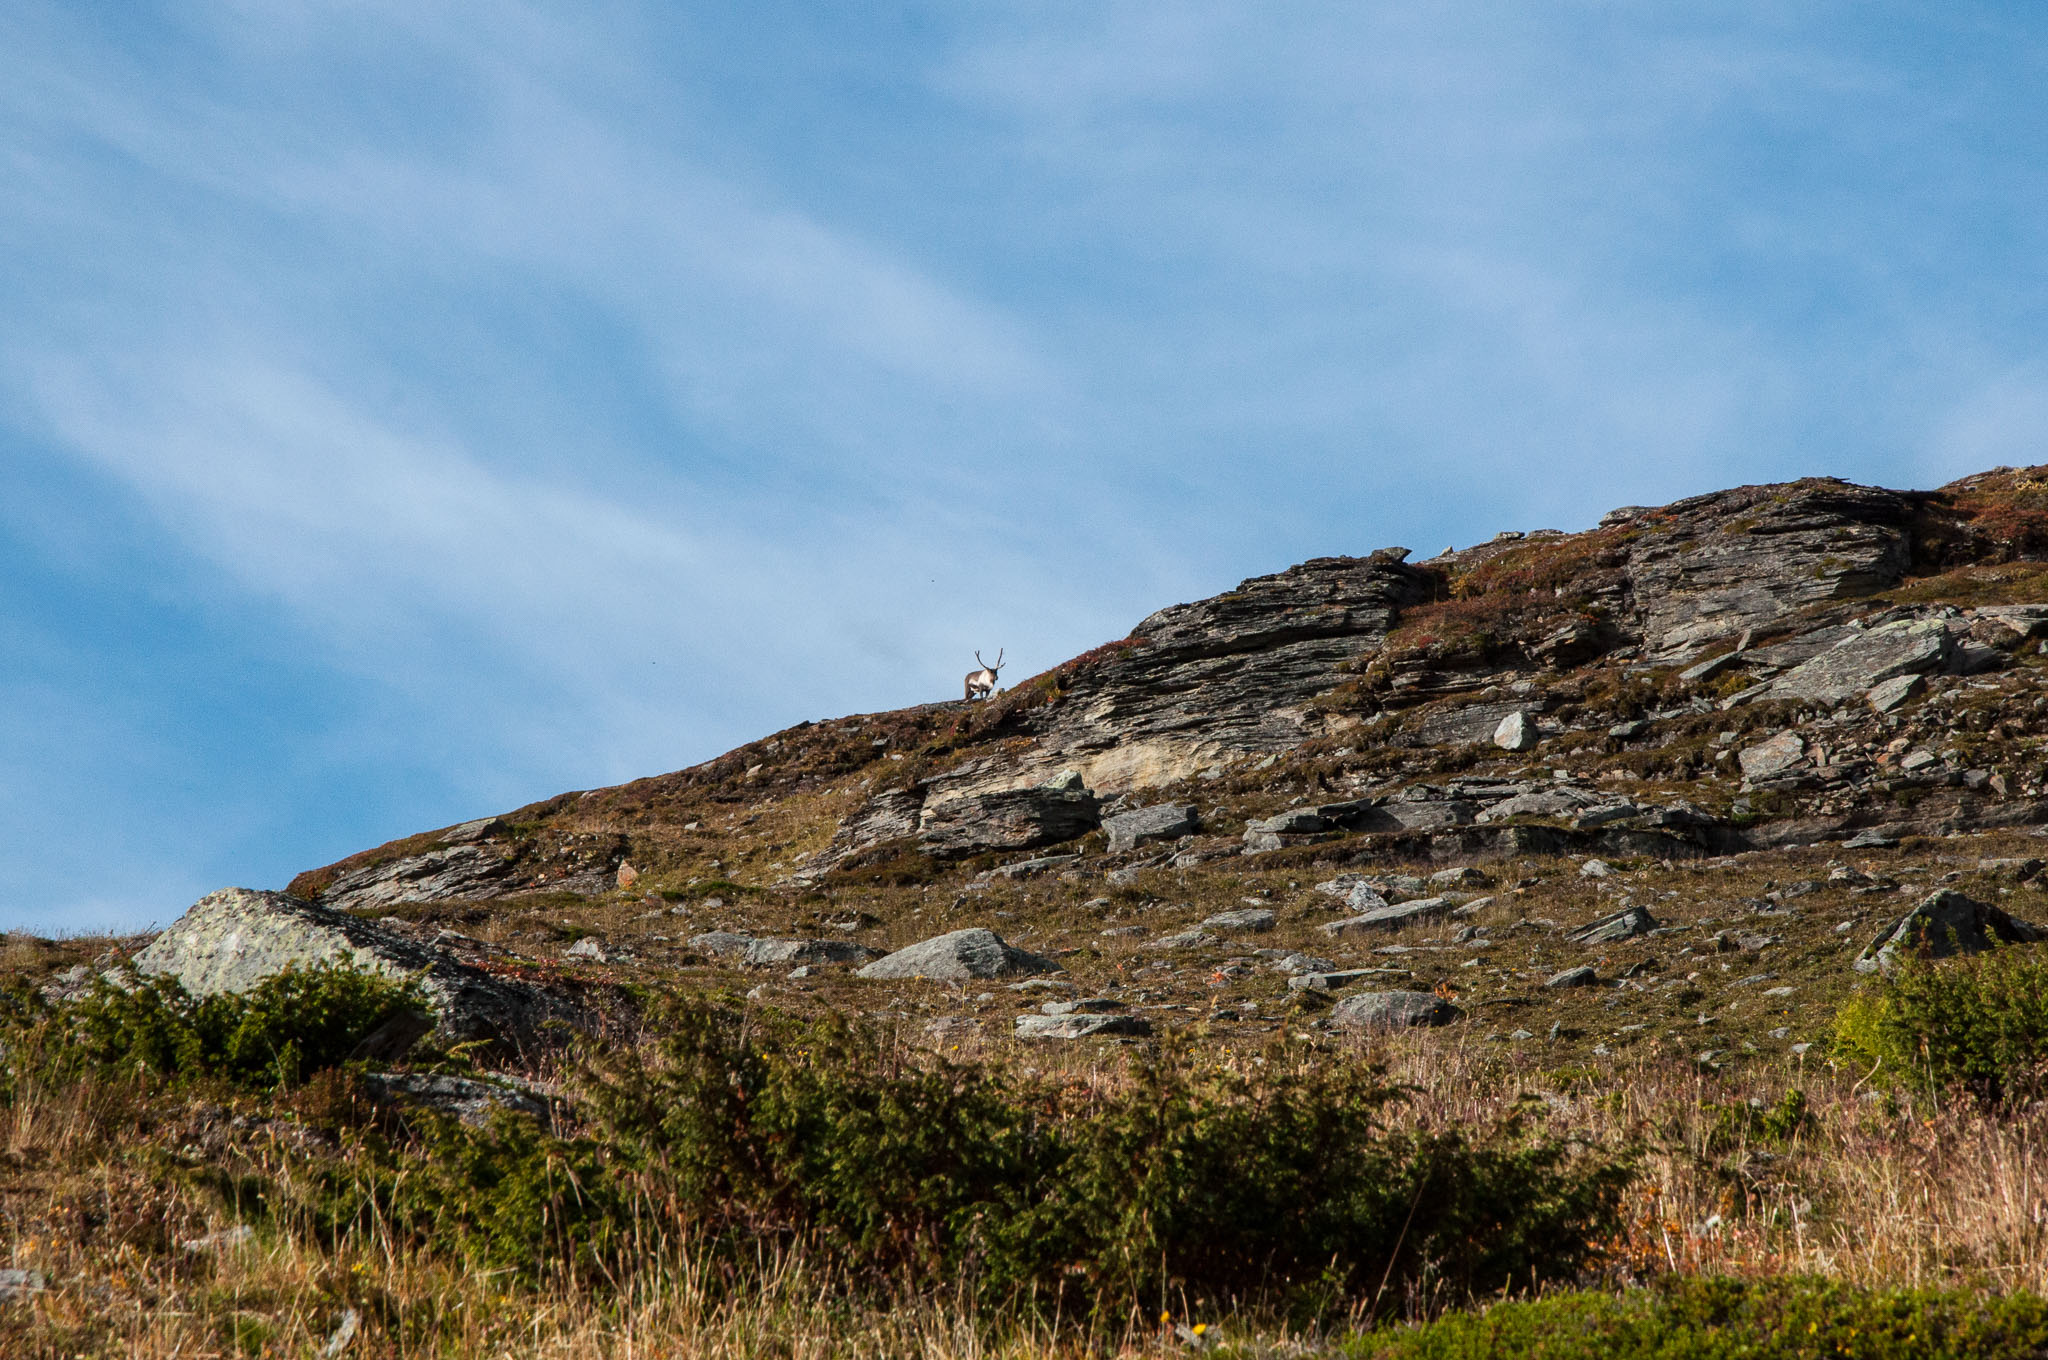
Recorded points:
(1142, 826)
(1464, 876)
(590, 948)
(1708, 669)
(1393, 1010)
(1916, 761)
(1081, 1026)
(1945, 922)
(1294, 961)
(1626, 924)
(1254, 919)
(958, 956)
(1628, 731)
(1596, 868)
(231, 940)
(1582, 976)
(1516, 732)
(1025, 868)
(1772, 757)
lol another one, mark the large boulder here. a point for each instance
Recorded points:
(960, 956)
(1393, 1010)
(232, 940)
(1945, 923)
(1012, 819)
(1141, 826)
(450, 872)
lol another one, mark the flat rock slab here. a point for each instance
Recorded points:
(1085, 1005)
(957, 957)
(1389, 918)
(1248, 918)
(1186, 939)
(232, 940)
(1864, 659)
(1332, 980)
(1080, 1026)
(1142, 826)
(1573, 977)
(1943, 924)
(1393, 1010)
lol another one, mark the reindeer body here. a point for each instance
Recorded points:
(982, 683)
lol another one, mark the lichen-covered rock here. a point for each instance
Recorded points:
(470, 1099)
(231, 940)
(959, 956)
(1390, 918)
(1393, 1010)
(1942, 924)
(1141, 826)
(1242, 918)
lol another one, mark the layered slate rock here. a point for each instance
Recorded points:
(1626, 924)
(1864, 659)
(232, 940)
(1943, 924)
(796, 953)
(1011, 819)
(1393, 1010)
(451, 873)
(1714, 565)
(1233, 672)
(959, 956)
(1080, 1026)
(1142, 826)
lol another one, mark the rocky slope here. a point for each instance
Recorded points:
(1466, 776)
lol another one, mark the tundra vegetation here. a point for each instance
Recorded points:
(1702, 847)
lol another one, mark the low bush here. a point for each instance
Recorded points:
(745, 1132)
(296, 1023)
(1711, 1318)
(1976, 1024)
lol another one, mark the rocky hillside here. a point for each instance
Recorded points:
(1765, 666)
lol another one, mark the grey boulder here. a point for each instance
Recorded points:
(1247, 918)
(1390, 918)
(1393, 1010)
(1626, 924)
(1080, 1026)
(957, 957)
(1864, 659)
(1142, 826)
(1943, 924)
(787, 953)
(234, 939)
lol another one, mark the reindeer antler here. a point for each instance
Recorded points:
(978, 661)
(999, 659)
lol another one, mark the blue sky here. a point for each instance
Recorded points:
(410, 410)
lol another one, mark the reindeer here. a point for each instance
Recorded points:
(982, 683)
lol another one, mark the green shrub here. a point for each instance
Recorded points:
(740, 1130)
(296, 1023)
(1695, 1318)
(1977, 1024)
